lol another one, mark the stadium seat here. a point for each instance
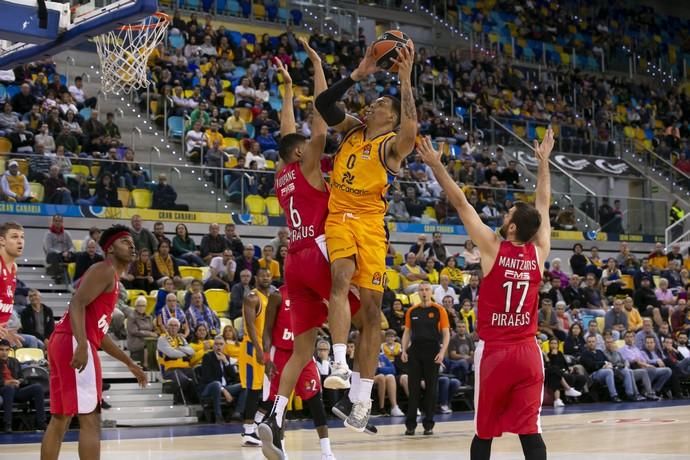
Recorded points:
(78, 245)
(246, 7)
(176, 127)
(229, 98)
(259, 11)
(123, 195)
(415, 299)
(150, 304)
(402, 298)
(224, 322)
(600, 324)
(12, 91)
(283, 15)
(218, 300)
(5, 145)
(143, 198)
(81, 169)
(232, 162)
(259, 219)
(273, 206)
(541, 132)
(176, 41)
(245, 114)
(628, 282)
(276, 103)
(132, 295)
(271, 165)
(37, 191)
(393, 277)
(296, 17)
(71, 270)
(85, 113)
(251, 130)
(230, 143)
(23, 165)
(191, 272)
(255, 204)
(24, 355)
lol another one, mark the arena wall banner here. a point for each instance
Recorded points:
(580, 164)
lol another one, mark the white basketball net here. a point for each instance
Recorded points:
(124, 53)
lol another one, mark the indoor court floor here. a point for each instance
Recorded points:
(643, 431)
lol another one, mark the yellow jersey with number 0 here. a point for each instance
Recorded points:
(360, 176)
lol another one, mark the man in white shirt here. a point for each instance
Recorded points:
(683, 344)
(445, 290)
(77, 92)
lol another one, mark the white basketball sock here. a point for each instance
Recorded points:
(279, 409)
(340, 353)
(365, 386)
(353, 394)
(325, 446)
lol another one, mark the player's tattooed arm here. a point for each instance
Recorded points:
(405, 139)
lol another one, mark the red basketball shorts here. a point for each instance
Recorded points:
(73, 392)
(308, 279)
(308, 383)
(509, 388)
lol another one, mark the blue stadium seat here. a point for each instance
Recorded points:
(301, 55)
(283, 15)
(176, 127)
(192, 4)
(12, 90)
(251, 38)
(85, 113)
(246, 8)
(239, 72)
(3, 93)
(531, 131)
(234, 8)
(296, 17)
(220, 6)
(250, 130)
(274, 42)
(271, 12)
(176, 41)
(528, 54)
(276, 103)
(206, 5)
(233, 35)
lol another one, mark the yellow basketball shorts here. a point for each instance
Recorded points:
(251, 372)
(365, 238)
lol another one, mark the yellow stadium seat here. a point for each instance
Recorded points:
(270, 164)
(259, 219)
(229, 100)
(656, 279)
(23, 165)
(143, 198)
(132, 295)
(225, 321)
(154, 293)
(259, 11)
(78, 245)
(37, 191)
(218, 300)
(600, 324)
(5, 145)
(188, 93)
(81, 169)
(565, 58)
(153, 106)
(181, 294)
(255, 204)
(28, 354)
(629, 132)
(150, 304)
(430, 212)
(639, 134)
(403, 298)
(225, 84)
(393, 278)
(230, 143)
(2, 167)
(123, 195)
(231, 163)
(330, 59)
(628, 282)
(95, 169)
(71, 270)
(520, 130)
(193, 272)
(281, 90)
(273, 206)
(415, 299)
(398, 259)
(541, 131)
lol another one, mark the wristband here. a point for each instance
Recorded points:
(267, 356)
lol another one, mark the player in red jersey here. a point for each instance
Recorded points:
(509, 373)
(75, 370)
(278, 342)
(303, 195)
(11, 247)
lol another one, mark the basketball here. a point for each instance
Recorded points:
(385, 48)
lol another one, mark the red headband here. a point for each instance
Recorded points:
(109, 242)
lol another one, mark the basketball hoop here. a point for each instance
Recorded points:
(124, 53)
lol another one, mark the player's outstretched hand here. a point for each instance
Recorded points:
(280, 67)
(429, 154)
(405, 61)
(311, 52)
(543, 151)
(366, 67)
(140, 375)
(11, 336)
(80, 358)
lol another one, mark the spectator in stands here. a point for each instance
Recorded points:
(578, 261)
(472, 256)
(634, 318)
(56, 191)
(412, 274)
(460, 353)
(143, 238)
(557, 272)
(384, 380)
(625, 258)
(8, 119)
(174, 355)
(106, 193)
(233, 240)
(653, 357)
(612, 279)
(21, 139)
(13, 387)
(548, 320)
(593, 331)
(244, 93)
(199, 313)
(646, 332)
(558, 376)
(222, 271)
(616, 320)
(235, 126)
(15, 186)
(575, 342)
(195, 142)
(140, 333)
(634, 355)
(46, 139)
(282, 238)
(247, 262)
(37, 319)
(468, 315)
(595, 304)
(201, 343)
(213, 244)
(164, 195)
(58, 249)
(171, 309)
(680, 367)
(268, 262)
(218, 377)
(159, 233)
(471, 291)
(646, 302)
(165, 266)
(23, 101)
(397, 210)
(194, 287)
(184, 247)
(445, 289)
(254, 154)
(132, 175)
(77, 92)
(140, 274)
(599, 368)
(111, 130)
(85, 259)
(622, 369)
(421, 248)
(239, 292)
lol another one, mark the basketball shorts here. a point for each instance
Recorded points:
(251, 372)
(365, 238)
(73, 392)
(308, 279)
(509, 388)
(308, 383)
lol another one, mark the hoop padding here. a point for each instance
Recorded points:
(124, 53)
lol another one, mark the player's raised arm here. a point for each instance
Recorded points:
(95, 281)
(249, 312)
(405, 139)
(543, 194)
(287, 113)
(326, 102)
(311, 160)
(479, 232)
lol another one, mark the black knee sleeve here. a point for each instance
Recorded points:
(317, 410)
(533, 446)
(480, 449)
(252, 404)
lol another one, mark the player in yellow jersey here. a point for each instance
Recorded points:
(369, 157)
(251, 357)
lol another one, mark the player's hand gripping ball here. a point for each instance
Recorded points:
(385, 49)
